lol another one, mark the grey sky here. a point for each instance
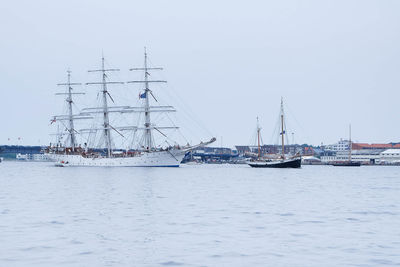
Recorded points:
(334, 62)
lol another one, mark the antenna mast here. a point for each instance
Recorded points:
(105, 110)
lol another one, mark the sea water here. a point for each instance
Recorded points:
(203, 215)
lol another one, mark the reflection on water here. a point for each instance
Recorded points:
(203, 215)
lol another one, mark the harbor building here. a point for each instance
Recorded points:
(375, 146)
(328, 156)
(365, 156)
(32, 157)
(390, 156)
(10, 152)
(341, 145)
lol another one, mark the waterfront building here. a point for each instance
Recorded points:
(328, 156)
(242, 150)
(361, 152)
(390, 156)
(375, 146)
(32, 157)
(341, 145)
(365, 156)
(10, 152)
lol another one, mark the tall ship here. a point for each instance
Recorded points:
(280, 161)
(146, 152)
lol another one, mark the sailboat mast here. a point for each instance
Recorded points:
(258, 137)
(106, 119)
(148, 137)
(350, 145)
(71, 129)
(104, 109)
(148, 141)
(70, 116)
(283, 131)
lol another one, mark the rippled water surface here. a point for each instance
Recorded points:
(207, 215)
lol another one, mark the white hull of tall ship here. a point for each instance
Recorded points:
(164, 158)
(171, 158)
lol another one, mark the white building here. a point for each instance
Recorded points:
(342, 145)
(365, 156)
(390, 156)
(20, 156)
(32, 157)
(328, 158)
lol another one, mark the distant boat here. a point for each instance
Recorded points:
(349, 162)
(192, 160)
(282, 161)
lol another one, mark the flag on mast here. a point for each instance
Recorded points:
(144, 95)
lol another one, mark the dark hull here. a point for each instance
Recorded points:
(347, 164)
(291, 163)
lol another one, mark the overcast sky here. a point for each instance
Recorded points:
(334, 62)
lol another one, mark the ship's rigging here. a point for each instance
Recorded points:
(70, 117)
(142, 134)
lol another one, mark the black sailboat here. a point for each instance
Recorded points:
(282, 161)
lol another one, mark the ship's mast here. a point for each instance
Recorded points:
(71, 121)
(105, 110)
(258, 138)
(350, 146)
(148, 136)
(147, 109)
(106, 119)
(283, 131)
(70, 118)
